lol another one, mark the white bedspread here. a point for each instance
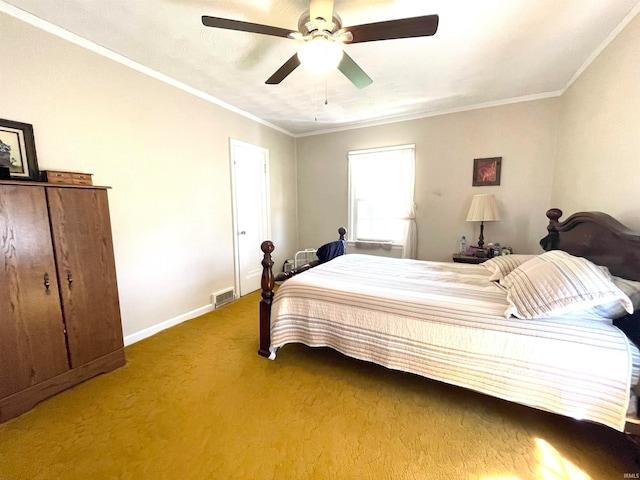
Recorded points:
(446, 321)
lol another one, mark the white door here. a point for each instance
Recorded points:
(249, 172)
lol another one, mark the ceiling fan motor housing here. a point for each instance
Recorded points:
(306, 26)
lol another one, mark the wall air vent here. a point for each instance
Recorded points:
(222, 298)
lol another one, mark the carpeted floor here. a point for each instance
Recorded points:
(197, 402)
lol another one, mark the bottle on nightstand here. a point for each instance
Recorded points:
(463, 245)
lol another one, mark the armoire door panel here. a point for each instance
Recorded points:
(32, 339)
(86, 267)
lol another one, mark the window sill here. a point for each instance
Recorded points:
(371, 245)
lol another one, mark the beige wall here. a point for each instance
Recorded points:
(164, 152)
(598, 152)
(523, 134)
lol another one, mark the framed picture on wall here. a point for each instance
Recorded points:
(18, 151)
(486, 171)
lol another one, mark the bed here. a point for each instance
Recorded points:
(541, 330)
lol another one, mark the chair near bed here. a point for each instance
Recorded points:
(595, 236)
(326, 252)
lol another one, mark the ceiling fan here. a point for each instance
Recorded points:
(323, 35)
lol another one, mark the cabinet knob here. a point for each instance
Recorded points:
(47, 283)
(69, 279)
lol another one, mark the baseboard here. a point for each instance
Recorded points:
(172, 322)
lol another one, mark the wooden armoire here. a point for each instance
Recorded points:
(59, 310)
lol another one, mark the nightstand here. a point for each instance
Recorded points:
(460, 258)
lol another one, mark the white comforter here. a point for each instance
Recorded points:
(446, 321)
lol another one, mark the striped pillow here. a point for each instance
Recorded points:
(614, 310)
(631, 289)
(556, 283)
(502, 266)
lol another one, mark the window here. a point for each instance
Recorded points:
(381, 184)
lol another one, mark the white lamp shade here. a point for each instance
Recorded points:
(320, 56)
(483, 209)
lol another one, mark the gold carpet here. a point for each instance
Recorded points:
(197, 402)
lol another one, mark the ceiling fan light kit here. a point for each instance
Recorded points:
(323, 36)
(320, 55)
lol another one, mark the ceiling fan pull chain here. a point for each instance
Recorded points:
(315, 103)
(316, 100)
(326, 91)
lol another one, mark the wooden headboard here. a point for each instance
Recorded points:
(599, 238)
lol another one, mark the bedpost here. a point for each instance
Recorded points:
(267, 284)
(342, 232)
(551, 241)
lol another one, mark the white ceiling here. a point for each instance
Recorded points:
(485, 52)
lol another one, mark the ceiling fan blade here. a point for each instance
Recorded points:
(282, 73)
(320, 12)
(353, 72)
(424, 26)
(238, 25)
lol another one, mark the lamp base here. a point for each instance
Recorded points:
(481, 239)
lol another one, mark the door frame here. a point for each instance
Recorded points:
(266, 204)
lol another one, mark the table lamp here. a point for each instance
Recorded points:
(483, 209)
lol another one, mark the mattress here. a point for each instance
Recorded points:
(446, 321)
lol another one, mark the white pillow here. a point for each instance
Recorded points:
(555, 283)
(502, 266)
